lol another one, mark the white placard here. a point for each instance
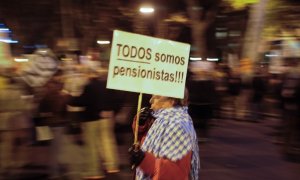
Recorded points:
(148, 65)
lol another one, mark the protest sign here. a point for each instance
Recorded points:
(145, 64)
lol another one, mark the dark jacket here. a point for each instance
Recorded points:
(96, 98)
(52, 105)
(234, 85)
(259, 88)
(202, 97)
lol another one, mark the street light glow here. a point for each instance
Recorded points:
(8, 41)
(4, 29)
(212, 59)
(195, 58)
(21, 60)
(146, 10)
(103, 42)
(271, 55)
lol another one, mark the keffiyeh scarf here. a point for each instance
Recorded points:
(172, 136)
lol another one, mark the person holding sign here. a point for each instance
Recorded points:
(168, 142)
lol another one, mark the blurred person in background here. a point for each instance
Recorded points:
(259, 82)
(15, 122)
(76, 77)
(234, 86)
(98, 126)
(273, 97)
(168, 141)
(221, 89)
(291, 109)
(273, 102)
(202, 102)
(41, 67)
(51, 113)
(34, 77)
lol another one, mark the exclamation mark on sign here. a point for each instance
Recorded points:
(181, 77)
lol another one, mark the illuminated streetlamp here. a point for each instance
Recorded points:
(146, 9)
(195, 58)
(21, 59)
(142, 22)
(103, 42)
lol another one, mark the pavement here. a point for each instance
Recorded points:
(244, 150)
(235, 150)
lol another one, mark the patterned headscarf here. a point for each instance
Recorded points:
(172, 136)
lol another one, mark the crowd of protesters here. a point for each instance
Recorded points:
(226, 93)
(47, 99)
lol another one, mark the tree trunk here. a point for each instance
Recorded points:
(66, 19)
(254, 30)
(199, 24)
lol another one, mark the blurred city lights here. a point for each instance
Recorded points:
(195, 58)
(146, 10)
(103, 42)
(4, 30)
(8, 41)
(21, 60)
(271, 55)
(212, 59)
